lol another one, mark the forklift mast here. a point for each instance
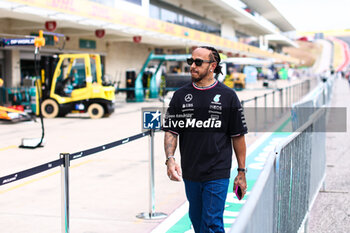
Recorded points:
(47, 69)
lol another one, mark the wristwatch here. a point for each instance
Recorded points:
(245, 170)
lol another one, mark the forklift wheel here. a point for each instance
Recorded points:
(49, 108)
(96, 111)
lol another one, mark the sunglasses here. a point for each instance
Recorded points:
(197, 61)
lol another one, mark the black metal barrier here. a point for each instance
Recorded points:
(95, 150)
(47, 166)
(29, 172)
(64, 162)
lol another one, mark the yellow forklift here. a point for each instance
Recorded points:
(73, 83)
(235, 80)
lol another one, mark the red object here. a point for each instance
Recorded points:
(137, 39)
(248, 10)
(17, 107)
(304, 38)
(100, 33)
(50, 25)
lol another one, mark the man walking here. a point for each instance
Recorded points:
(208, 119)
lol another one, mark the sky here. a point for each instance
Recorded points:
(313, 15)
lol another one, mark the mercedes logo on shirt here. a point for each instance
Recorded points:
(188, 97)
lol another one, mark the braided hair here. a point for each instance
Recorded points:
(214, 55)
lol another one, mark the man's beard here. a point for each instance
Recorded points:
(196, 80)
(200, 78)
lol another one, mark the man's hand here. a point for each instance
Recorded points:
(174, 170)
(240, 180)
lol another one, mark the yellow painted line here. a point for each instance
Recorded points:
(138, 221)
(41, 178)
(8, 147)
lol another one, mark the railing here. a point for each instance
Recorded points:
(292, 176)
(264, 110)
(64, 161)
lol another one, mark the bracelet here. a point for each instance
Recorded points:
(170, 156)
(245, 170)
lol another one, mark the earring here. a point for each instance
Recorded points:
(211, 70)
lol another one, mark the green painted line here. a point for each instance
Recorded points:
(284, 124)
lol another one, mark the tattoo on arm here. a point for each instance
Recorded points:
(170, 143)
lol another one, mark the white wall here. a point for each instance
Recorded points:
(12, 68)
(122, 56)
(228, 31)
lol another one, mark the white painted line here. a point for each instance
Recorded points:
(228, 213)
(229, 220)
(172, 219)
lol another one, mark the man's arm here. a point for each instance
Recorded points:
(173, 169)
(240, 149)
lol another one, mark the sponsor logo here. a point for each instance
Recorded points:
(188, 105)
(78, 156)
(193, 123)
(215, 112)
(215, 107)
(217, 98)
(10, 179)
(188, 97)
(151, 119)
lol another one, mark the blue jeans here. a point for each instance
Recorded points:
(207, 204)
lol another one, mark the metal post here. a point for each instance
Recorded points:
(151, 173)
(298, 92)
(273, 105)
(302, 88)
(65, 193)
(287, 96)
(151, 214)
(256, 113)
(290, 96)
(306, 225)
(265, 113)
(281, 99)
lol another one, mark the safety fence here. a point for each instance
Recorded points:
(293, 174)
(64, 162)
(265, 110)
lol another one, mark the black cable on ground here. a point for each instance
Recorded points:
(36, 68)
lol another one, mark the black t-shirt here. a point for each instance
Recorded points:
(205, 120)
